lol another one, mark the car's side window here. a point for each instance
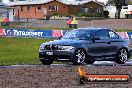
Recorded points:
(102, 34)
(113, 35)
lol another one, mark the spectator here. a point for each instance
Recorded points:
(68, 22)
(74, 23)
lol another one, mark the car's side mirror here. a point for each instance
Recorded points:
(60, 37)
(95, 38)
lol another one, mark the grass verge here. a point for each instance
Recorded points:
(123, 30)
(36, 28)
(20, 51)
(15, 51)
(52, 28)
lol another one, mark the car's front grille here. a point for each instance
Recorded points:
(56, 57)
(51, 47)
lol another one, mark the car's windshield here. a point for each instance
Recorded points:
(78, 34)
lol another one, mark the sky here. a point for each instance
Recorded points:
(7, 1)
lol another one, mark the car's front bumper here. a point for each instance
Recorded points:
(56, 55)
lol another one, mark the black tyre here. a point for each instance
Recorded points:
(90, 61)
(122, 56)
(79, 57)
(46, 62)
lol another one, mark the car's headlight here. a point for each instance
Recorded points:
(65, 47)
(41, 47)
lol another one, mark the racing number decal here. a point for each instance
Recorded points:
(112, 35)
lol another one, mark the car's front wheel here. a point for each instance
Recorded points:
(79, 57)
(46, 61)
(122, 56)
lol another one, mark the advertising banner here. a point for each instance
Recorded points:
(2, 32)
(28, 33)
(124, 35)
(12, 32)
(57, 33)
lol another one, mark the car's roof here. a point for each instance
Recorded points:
(95, 29)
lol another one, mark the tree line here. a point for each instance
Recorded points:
(118, 4)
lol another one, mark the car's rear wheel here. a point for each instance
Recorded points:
(122, 56)
(79, 57)
(46, 61)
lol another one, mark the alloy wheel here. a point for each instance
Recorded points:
(123, 55)
(79, 56)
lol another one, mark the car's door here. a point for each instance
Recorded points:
(115, 43)
(100, 48)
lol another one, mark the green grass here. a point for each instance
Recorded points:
(20, 51)
(36, 28)
(15, 51)
(123, 30)
(52, 28)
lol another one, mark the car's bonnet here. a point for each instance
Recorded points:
(65, 42)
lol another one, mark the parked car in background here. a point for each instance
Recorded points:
(86, 45)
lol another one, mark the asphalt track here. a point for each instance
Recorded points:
(96, 63)
(60, 75)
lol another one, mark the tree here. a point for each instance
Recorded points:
(129, 2)
(118, 4)
(106, 14)
(0, 0)
(110, 2)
